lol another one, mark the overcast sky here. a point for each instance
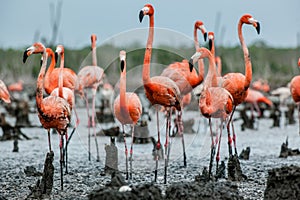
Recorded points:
(21, 20)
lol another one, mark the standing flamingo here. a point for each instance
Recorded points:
(214, 102)
(4, 94)
(127, 109)
(295, 92)
(159, 90)
(53, 111)
(180, 73)
(90, 77)
(237, 83)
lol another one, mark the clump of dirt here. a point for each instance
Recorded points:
(234, 169)
(283, 183)
(43, 187)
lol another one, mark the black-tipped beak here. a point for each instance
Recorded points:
(191, 65)
(141, 15)
(41, 62)
(210, 44)
(205, 36)
(25, 56)
(56, 57)
(258, 27)
(122, 65)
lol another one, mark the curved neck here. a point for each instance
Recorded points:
(211, 78)
(200, 61)
(196, 43)
(148, 51)
(247, 60)
(219, 65)
(123, 87)
(52, 63)
(40, 80)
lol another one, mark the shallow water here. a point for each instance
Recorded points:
(85, 176)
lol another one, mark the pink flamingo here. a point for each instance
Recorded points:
(295, 92)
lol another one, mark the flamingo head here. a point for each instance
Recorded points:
(146, 10)
(248, 19)
(93, 40)
(199, 25)
(122, 59)
(34, 49)
(60, 50)
(200, 54)
(211, 37)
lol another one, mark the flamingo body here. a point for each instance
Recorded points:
(4, 94)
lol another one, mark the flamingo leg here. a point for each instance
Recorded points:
(158, 145)
(89, 125)
(168, 124)
(61, 162)
(66, 136)
(180, 125)
(212, 150)
(219, 146)
(228, 131)
(49, 140)
(131, 151)
(126, 153)
(234, 138)
(93, 123)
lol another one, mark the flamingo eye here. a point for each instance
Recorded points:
(146, 9)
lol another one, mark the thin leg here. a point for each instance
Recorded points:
(49, 140)
(219, 146)
(89, 125)
(180, 127)
(61, 162)
(158, 145)
(234, 138)
(94, 124)
(131, 151)
(167, 144)
(212, 150)
(66, 153)
(126, 153)
(228, 131)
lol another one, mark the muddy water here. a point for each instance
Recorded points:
(85, 176)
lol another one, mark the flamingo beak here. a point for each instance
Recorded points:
(141, 15)
(191, 65)
(56, 57)
(257, 27)
(210, 44)
(122, 65)
(25, 55)
(205, 36)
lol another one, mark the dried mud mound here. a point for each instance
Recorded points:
(283, 183)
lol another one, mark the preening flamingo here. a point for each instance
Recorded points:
(295, 92)
(90, 77)
(214, 102)
(127, 109)
(237, 83)
(254, 97)
(159, 90)
(4, 94)
(53, 111)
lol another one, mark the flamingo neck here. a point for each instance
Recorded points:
(219, 65)
(247, 60)
(123, 88)
(94, 56)
(40, 80)
(196, 43)
(211, 77)
(60, 78)
(148, 51)
(200, 61)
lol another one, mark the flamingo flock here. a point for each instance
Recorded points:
(170, 91)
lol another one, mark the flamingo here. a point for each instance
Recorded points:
(254, 97)
(53, 111)
(215, 101)
(68, 94)
(261, 85)
(4, 94)
(91, 77)
(180, 73)
(127, 109)
(159, 90)
(237, 83)
(295, 92)
(16, 87)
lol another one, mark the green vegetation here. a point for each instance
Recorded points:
(277, 66)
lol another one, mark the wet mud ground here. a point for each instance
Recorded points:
(86, 176)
